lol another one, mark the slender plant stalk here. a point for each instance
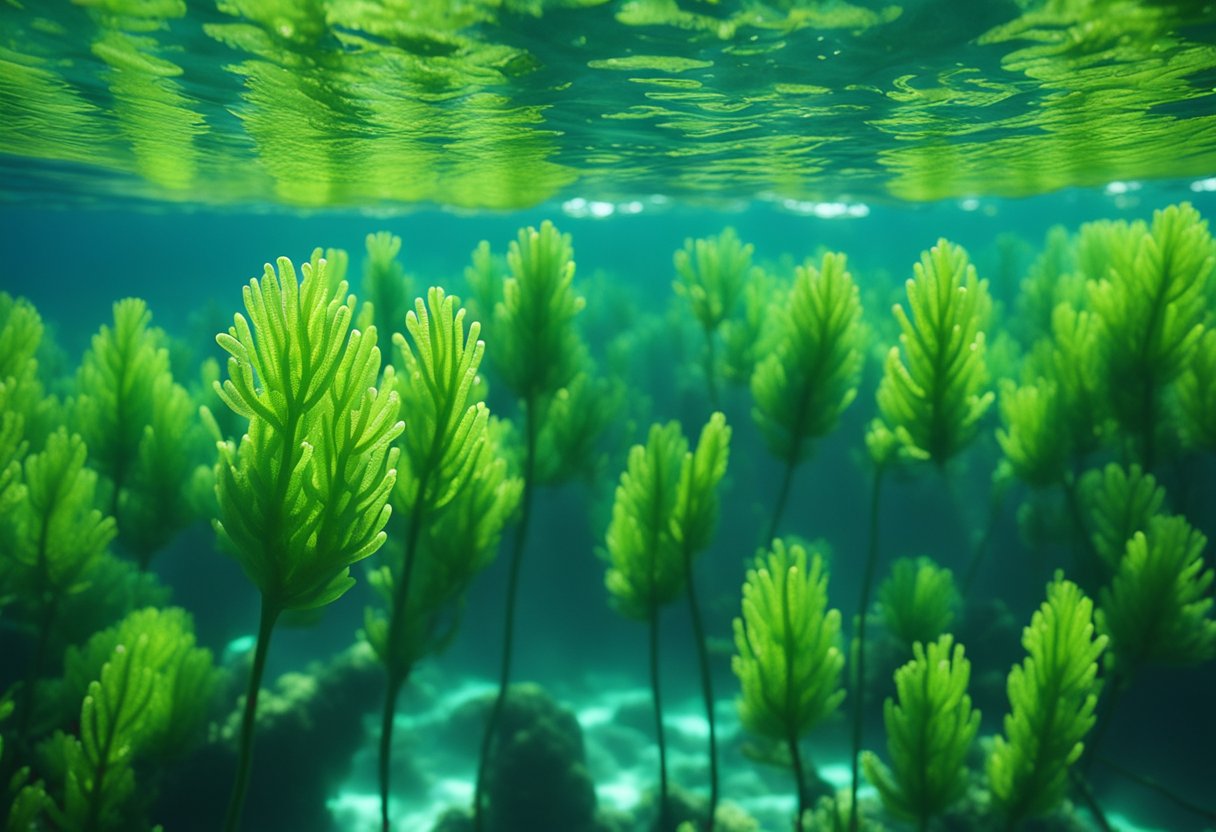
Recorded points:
(787, 480)
(664, 807)
(867, 582)
(1153, 785)
(270, 614)
(711, 380)
(791, 706)
(995, 503)
(707, 690)
(397, 676)
(504, 674)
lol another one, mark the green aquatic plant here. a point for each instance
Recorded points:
(575, 421)
(804, 384)
(788, 657)
(928, 734)
(1118, 503)
(1069, 360)
(53, 535)
(141, 429)
(304, 494)
(930, 402)
(749, 336)
(1052, 697)
(1158, 607)
(664, 514)
(932, 399)
(385, 285)
(441, 453)
(917, 601)
(1152, 301)
(539, 352)
(484, 276)
(150, 693)
(711, 274)
(1030, 435)
(1052, 279)
(1196, 396)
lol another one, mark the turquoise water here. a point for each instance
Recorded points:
(166, 151)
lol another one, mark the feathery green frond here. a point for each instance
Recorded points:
(803, 385)
(20, 334)
(1118, 504)
(484, 276)
(575, 420)
(749, 336)
(439, 367)
(645, 564)
(928, 733)
(1197, 396)
(1158, 607)
(1052, 279)
(538, 349)
(462, 541)
(1031, 435)
(337, 261)
(1070, 360)
(186, 683)
(789, 659)
(917, 601)
(1152, 304)
(100, 764)
(54, 532)
(1052, 696)
(696, 510)
(385, 285)
(932, 399)
(711, 274)
(1104, 245)
(304, 494)
(115, 385)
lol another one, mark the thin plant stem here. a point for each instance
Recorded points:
(1153, 785)
(799, 782)
(707, 690)
(504, 674)
(656, 694)
(711, 380)
(867, 582)
(787, 480)
(270, 614)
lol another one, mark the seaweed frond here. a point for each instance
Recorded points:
(1052, 696)
(1158, 607)
(928, 733)
(917, 601)
(1152, 302)
(645, 565)
(1196, 391)
(803, 385)
(304, 494)
(1031, 435)
(1118, 504)
(788, 657)
(711, 273)
(385, 285)
(538, 348)
(931, 399)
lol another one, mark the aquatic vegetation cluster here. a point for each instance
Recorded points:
(333, 452)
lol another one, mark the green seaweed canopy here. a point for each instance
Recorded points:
(304, 495)
(928, 733)
(917, 601)
(1052, 695)
(789, 660)
(931, 405)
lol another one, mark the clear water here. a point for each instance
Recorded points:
(167, 150)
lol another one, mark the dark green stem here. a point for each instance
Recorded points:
(978, 554)
(787, 480)
(867, 582)
(270, 614)
(711, 380)
(504, 673)
(799, 781)
(664, 808)
(395, 683)
(1149, 783)
(707, 690)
